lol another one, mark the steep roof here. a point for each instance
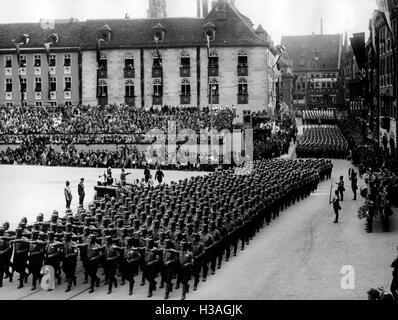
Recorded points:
(138, 33)
(314, 52)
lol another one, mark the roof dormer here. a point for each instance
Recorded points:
(158, 32)
(104, 33)
(209, 30)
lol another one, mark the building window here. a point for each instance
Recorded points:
(185, 87)
(242, 86)
(68, 103)
(9, 104)
(103, 62)
(211, 34)
(129, 88)
(23, 85)
(38, 104)
(52, 103)
(37, 60)
(242, 59)
(213, 59)
(67, 60)
(68, 84)
(8, 85)
(157, 61)
(52, 61)
(8, 61)
(157, 88)
(185, 59)
(53, 84)
(22, 61)
(37, 84)
(102, 88)
(129, 63)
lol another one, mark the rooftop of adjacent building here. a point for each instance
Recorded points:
(314, 52)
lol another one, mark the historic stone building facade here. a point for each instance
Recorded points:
(316, 62)
(216, 60)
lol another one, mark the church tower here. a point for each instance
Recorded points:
(157, 9)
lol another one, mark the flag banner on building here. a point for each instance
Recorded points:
(358, 47)
(208, 45)
(47, 47)
(98, 51)
(18, 48)
(375, 13)
(384, 7)
(20, 88)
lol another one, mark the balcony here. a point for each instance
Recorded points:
(157, 72)
(53, 95)
(67, 95)
(37, 71)
(102, 73)
(37, 95)
(130, 101)
(214, 99)
(8, 71)
(385, 123)
(185, 71)
(243, 99)
(129, 73)
(243, 71)
(52, 70)
(185, 99)
(22, 71)
(157, 100)
(8, 95)
(213, 71)
(102, 101)
(67, 69)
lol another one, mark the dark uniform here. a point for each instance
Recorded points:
(36, 258)
(69, 261)
(53, 255)
(132, 263)
(151, 259)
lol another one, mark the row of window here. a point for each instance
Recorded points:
(37, 58)
(316, 85)
(386, 80)
(185, 60)
(38, 84)
(158, 87)
(386, 65)
(40, 103)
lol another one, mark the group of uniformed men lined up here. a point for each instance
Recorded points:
(179, 230)
(322, 142)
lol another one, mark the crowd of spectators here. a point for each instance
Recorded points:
(104, 124)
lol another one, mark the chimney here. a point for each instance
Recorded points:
(321, 26)
(205, 8)
(198, 8)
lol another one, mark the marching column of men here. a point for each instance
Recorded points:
(179, 232)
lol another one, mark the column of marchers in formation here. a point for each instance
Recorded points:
(179, 231)
(322, 142)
